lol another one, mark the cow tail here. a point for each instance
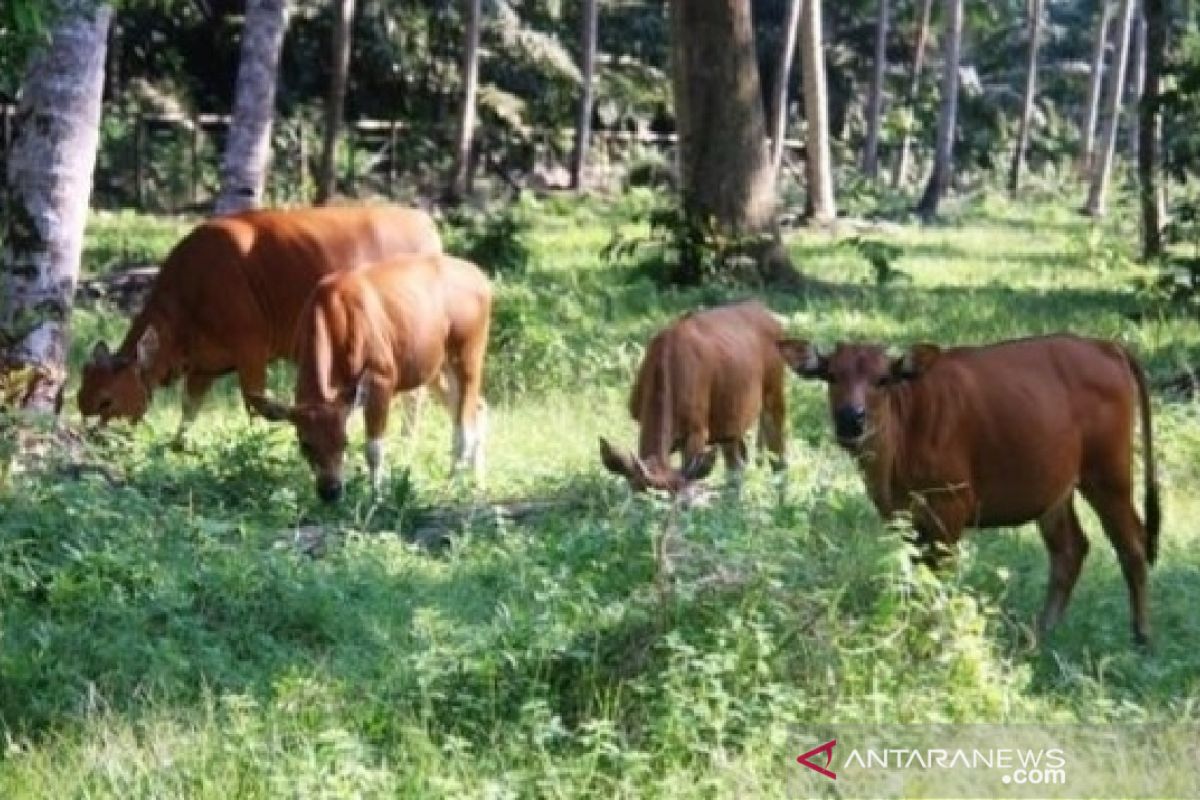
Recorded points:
(1153, 509)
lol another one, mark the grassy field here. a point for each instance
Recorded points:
(165, 637)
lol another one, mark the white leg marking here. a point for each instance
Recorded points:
(375, 462)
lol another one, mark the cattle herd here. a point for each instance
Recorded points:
(367, 305)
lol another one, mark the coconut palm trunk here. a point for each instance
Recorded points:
(1087, 149)
(460, 184)
(583, 124)
(1149, 131)
(943, 159)
(335, 100)
(1031, 70)
(900, 169)
(779, 110)
(1102, 168)
(248, 150)
(816, 112)
(49, 182)
(875, 98)
(1137, 77)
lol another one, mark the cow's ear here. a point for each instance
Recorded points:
(615, 461)
(147, 348)
(700, 465)
(804, 359)
(916, 362)
(271, 410)
(100, 353)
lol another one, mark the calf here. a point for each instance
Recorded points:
(371, 333)
(999, 436)
(705, 380)
(228, 297)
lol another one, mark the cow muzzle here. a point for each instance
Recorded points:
(329, 489)
(850, 423)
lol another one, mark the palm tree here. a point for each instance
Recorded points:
(49, 182)
(780, 110)
(460, 183)
(1154, 13)
(583, 125)
(1087, 148)
(816, 112)
(943, 159)
(1102, 169)
(1031, 67)
(875, 100)
(248, 151)
(335, 101)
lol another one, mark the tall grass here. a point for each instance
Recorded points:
(165, 637)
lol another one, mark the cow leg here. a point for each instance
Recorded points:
(1114, 506)
(195, 387)
(470, 410)
(1067, 547)
(772, 423)
(939, 520)
(375, 414)
(411, 406)
(734, 455)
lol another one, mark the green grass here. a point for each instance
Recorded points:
(164, 638)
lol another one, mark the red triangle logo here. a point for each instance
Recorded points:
(827, 749)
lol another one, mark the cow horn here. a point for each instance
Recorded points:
(269, 409)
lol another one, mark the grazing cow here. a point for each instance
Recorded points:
(998, 436)
(703, 381)
(370, 333)
(228, 297)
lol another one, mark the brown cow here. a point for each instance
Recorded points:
(228, 297)
(999, 436)
(370, 333)
(704, 380)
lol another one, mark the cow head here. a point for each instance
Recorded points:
(115, 385)
(857, 374)
(321, 432)
(655, 474)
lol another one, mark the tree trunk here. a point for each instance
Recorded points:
(875, 100)
(780, 110)
(816, 113)
(583, 125)
(943, 159)
(1102, 169)
(900, 170)
(248, 150)
(1137, 78)
(50, 168)
(460, 185)
(1087, 150)
(725, 172)
(335, 101)
(1031, 68)
(1149, 126)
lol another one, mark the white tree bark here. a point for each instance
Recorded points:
(50, 168)
(943, 158)
(816, 112)
(1137, 79)
(248, 150)
(583, 124)
(1031, 69)
(1087, 149)
(875, 99)
(460, 185)
(1102, 169)
(786, 55)
(335, 100)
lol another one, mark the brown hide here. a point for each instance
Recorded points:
(387, 328)
(704, 381)
(228, 297)
(1003, 435)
